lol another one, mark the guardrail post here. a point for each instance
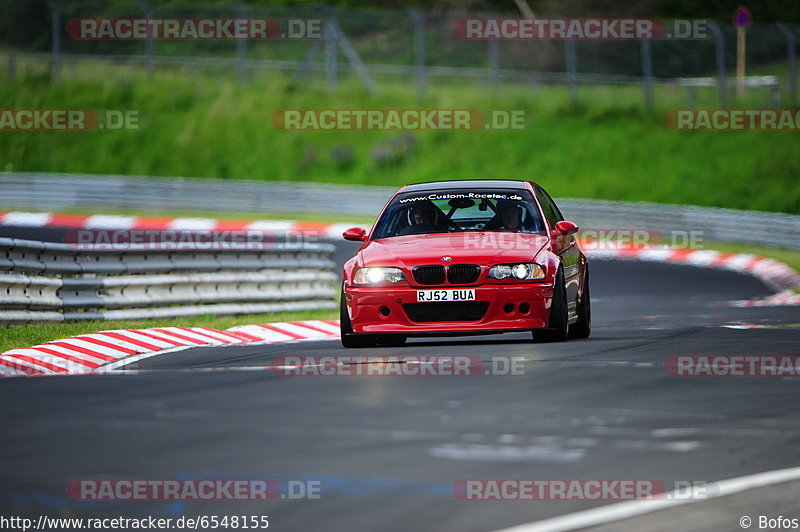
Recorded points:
(647, 72)
(493, 53)
(55, 12)
(719, 43)
(331, 37)
(791, 44)
(148, 43)
(419, 52)
(241, 46)
(570, 55)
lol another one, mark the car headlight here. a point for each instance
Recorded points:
(525, 271)
(375, 275)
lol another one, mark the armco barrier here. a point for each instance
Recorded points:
(54, 192)
(43, 281)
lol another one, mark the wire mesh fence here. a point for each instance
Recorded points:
(379, 45)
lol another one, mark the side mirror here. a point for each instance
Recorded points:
(566, 228)
(356, 234)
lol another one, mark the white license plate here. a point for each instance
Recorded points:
(445, 295)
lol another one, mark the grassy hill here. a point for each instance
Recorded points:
(607, 146)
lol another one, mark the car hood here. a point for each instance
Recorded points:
(479, 248)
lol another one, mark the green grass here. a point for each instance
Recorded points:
(607, 146)
(29, 335)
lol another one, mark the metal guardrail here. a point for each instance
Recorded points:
(62, 191)
(43, 281)
(769, 229)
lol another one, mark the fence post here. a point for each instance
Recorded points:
(791, 43)
(419, 52)
(719, 43)
(570, 54)
(55, 10)
(493, 53)
(241, 45)
(148, 43)
(331, 36)
(647, 72)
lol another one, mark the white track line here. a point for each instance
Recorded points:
(111, 366)
(628, 509)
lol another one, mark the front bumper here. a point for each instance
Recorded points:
(509, 307)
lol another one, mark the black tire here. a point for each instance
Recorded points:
(391, 340)
(559, 317)
(346, 329)
(583, 327)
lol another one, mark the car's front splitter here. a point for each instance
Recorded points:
(509, 307)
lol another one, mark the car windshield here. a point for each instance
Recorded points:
(449, 211)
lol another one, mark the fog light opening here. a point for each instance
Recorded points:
(525, 307)
(508, 308)
(385, 311)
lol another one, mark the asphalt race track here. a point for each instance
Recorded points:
(388, 450)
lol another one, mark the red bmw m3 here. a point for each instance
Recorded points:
(466, 257)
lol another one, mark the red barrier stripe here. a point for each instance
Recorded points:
(187, 329)
(223, 333)
(232, 225)
(82, 361)
(102, 343)
(723, 258)
(151, 223)
(14, 365)
(68, 220)
(133, 341)
(287, 333)
(26, 358)
(752, 263)
(307, 326)
(156, 337)
(182, 337)
(242, 335)
(85, 351)
(681, 255)
(310, 227)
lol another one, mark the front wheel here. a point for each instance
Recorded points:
(349, 339)
(559, 317)
(583, 327)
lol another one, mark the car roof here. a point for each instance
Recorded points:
(466, 183)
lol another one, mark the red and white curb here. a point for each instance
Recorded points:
(775, 274)
(107, 350)
(781, 299)
(146, 223)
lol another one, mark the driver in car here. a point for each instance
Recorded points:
(423, 220)
(508, 218)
